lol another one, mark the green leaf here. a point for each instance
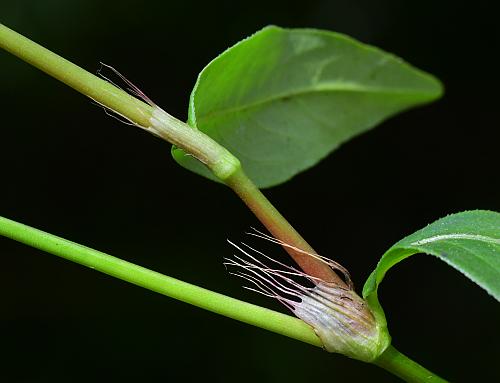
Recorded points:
(283, 99)
(468, 241)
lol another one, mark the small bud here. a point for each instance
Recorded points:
(341, 318)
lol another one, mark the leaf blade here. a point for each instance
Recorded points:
(467, 241)
(281, 100)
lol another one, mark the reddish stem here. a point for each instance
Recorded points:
(280, 228)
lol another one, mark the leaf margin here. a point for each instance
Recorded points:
(370, 288)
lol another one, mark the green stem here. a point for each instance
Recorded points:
(74, 76)
(149, 117)
(405, 368)
(219, 160)
(391, 360)
(171, 287)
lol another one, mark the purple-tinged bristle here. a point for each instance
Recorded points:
(132, 87)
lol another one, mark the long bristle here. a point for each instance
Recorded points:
(334, 265)
(132, 88)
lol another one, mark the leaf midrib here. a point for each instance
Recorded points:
(456, 236)
(327, 87)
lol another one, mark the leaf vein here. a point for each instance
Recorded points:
(329, 87)
(445, 237)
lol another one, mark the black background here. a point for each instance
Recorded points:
(69, 169)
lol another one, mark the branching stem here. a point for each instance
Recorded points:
(391, 360)
(223, 164)
(226, 167)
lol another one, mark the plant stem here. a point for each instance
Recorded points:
(74, 76)
(391, 359)
(171, 287)
(279, 227)
(223, 164)
(405, 368)
(216, 157)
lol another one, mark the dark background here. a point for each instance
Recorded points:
(69, 169)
